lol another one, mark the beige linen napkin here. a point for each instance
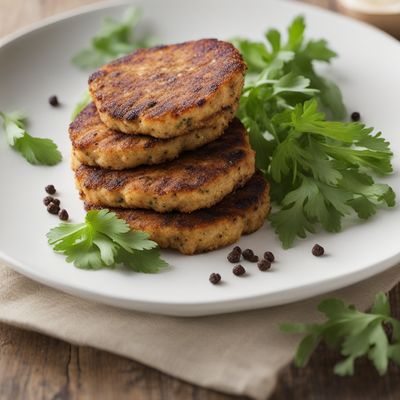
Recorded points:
(238, 353)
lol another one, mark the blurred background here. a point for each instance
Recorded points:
(384, 14)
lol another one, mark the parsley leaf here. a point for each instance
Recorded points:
(322, 164)
(115, 39)
(36, 151)
(82, 103)
(318, 168)
(357, 334)
(296, 57)
(104, 240)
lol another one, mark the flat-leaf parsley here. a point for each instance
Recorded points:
(115, 39)
(35, 150)
(318, 169)
(356, 333)
(105, 241)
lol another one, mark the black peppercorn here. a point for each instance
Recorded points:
(249, 255)
(237, 249)
(233, 257)
(56, 202)
(53, 101)
(63, 215)
(264, 265)
(269, 256)
(318, 250)
(50, 189)
(239, 270)
(355, 116)
(214, 278)
(53, 208)
(47, 200)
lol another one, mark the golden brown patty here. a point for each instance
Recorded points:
(241, 212)
(196, 180)
(167, 90)
(96, 145)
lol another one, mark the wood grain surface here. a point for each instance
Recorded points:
(34, 366)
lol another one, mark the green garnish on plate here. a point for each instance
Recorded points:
(115, 39)
(320, 170)
(105, 241)
(37, 151)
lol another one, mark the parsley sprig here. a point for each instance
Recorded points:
(105, 241)
(115, 39)
(292, 61)
(356, 333)
(35, 150)
(319, 170)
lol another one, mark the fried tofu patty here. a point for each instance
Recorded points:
(166, 91)
(241, 212)
(95, 144)
(197, 179)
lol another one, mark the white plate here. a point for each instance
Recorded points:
(36, 64)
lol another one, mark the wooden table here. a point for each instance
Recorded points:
(35, 366)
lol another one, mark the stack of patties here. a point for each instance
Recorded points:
(160, 146)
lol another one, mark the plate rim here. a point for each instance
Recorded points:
(185, 309)
(104, 4)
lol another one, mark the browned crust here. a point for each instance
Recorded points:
(95, 144)
(241, 212)
(178, 84)
(196, 180)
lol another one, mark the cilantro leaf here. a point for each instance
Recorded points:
(293, 83)
(319, 165)
(355, 333)
(297, 56)
(115, 39)
(256, 54)
(147, 261)
(325, 162)
(82, 103)
(307, 119)
(36, 151)
(296, 33)
(319, 50)
(105, 241)
(330, 95)
(291, 222)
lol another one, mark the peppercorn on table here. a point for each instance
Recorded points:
(33, 365)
